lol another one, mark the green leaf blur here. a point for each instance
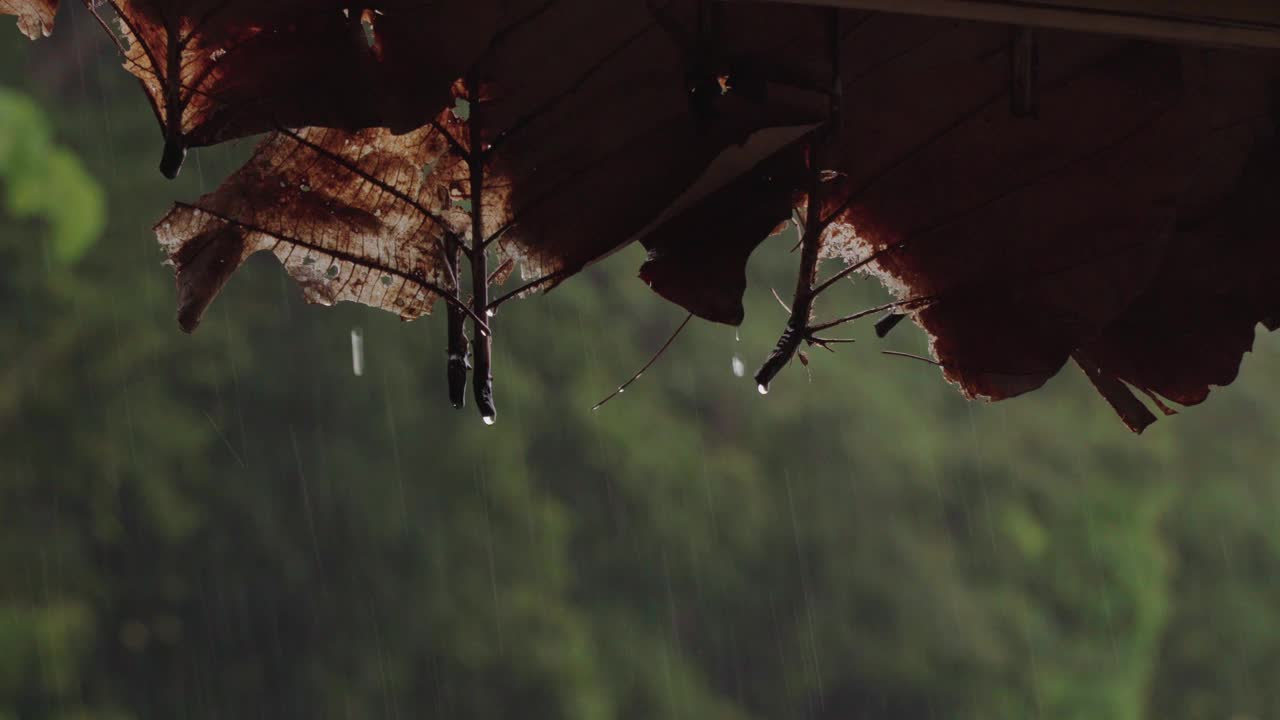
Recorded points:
(46, 181)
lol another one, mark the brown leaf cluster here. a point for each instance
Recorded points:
(420, 149)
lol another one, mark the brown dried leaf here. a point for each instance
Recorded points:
(582, 149)
(698, 259)
(1055, 237)
(1031, 240)
(215, 70)
(611, 133)
(1216, 282)
(35, 17)
(352, 217)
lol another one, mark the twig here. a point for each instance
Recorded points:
(921, 358)
(505, 266)
(657, 356)
(549, 277)
(781, 302)
(909, 302)
(797, 330)
(482, 344)
(459, 362)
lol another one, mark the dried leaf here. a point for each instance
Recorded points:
(698, 260)
(350, 216)
(1044, 239)
(1030, 240)
(582, 148)
(215, 70)
(35, 17)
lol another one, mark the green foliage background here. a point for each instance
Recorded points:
(233, 525)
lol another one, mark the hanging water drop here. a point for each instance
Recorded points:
(489, 419)
(357, 352)
(764, 389)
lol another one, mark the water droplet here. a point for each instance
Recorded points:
(764, 389)
(357, 352)
(737, 335)
(739, 367)
(490, 312)
(304, 188)
(489, 419)
(621, 390)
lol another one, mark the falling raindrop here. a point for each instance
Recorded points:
(764, 389)
(739, 367)
(489, 419)
(357, 351)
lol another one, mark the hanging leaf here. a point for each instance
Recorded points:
(1065, 238)
(1215, 283)
(581, 149)
(35, 17)
(317, 199)
(551, 154)
(1020, 242)
(215, 71)
(698, 260)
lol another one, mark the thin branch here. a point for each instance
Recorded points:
(781, 302)
(921, 358)
(657, 356)
(493, 238)
(93, 10)
(458, 362)
(505, 266)
(482, 370)
(908, 303)
(449, 247)
(550, 277)
(797, 329)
